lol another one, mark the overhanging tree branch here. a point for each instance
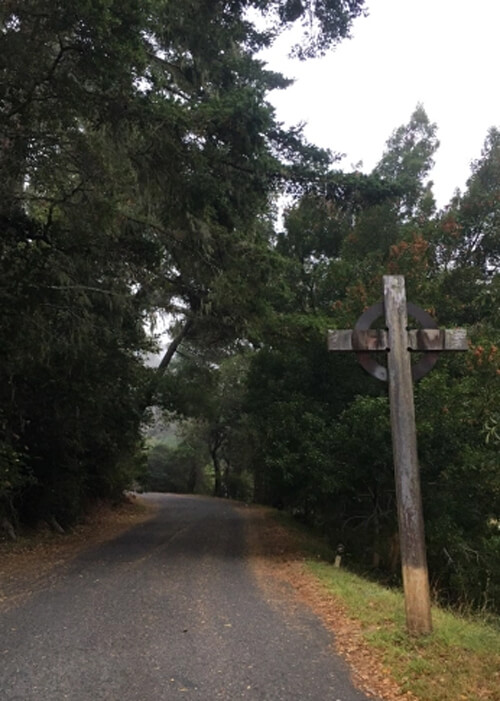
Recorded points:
(170, 352)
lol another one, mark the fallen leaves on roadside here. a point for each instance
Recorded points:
(29, 561)
(278, 563)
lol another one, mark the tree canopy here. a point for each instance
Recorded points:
(139, 163)
(141, 166)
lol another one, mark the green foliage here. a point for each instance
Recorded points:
(324, 443)
(409, 159)
(180, 469)
(138, 161)
(461, 485)
(294, 394)
(210, 390)
(478, 212)
(15, 477)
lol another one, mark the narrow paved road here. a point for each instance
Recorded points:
(168, 611)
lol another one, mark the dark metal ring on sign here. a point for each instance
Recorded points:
(368, 362)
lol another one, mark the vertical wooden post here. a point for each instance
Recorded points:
(404, 442)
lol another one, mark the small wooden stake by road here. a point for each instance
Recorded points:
(400, 373)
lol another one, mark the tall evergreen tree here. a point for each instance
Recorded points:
(138, 161)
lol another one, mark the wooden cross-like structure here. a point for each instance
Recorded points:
(398, 341)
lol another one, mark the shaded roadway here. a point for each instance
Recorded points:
(169, 610)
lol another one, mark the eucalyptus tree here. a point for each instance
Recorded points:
(467, 244)
(408, 159)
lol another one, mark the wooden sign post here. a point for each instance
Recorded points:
(399, 342)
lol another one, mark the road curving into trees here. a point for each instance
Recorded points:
(169, 610)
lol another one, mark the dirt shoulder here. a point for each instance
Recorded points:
(277, 561)
(27, 562)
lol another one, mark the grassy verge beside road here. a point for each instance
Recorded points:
(459, 661)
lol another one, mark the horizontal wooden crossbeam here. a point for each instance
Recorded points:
(419, 340)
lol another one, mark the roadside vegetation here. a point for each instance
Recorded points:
(460, 660)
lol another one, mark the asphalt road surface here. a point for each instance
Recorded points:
(170, 610)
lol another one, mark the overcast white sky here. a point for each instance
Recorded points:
(442, 53)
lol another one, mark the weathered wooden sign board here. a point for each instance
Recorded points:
(399, 342)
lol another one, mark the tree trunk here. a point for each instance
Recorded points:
(165, 361)
(8, 528)
(217, 473)
(376, 538)
(192, 479)
(169, 353)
